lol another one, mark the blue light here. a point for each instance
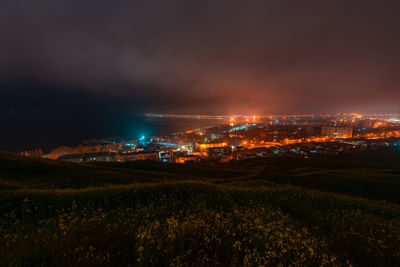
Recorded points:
(142, 137)
(168, 144)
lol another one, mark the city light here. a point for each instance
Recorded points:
(321, 133)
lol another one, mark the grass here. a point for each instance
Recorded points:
(257, 212)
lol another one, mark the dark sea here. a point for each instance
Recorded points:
(168, 126)
(23, 135)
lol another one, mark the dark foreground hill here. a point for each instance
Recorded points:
(338, 211)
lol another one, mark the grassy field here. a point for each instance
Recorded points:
(332, 212)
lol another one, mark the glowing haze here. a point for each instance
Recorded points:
(120, 58)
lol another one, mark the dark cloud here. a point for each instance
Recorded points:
(122, 58)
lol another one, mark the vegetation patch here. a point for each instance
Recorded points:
(182, 220)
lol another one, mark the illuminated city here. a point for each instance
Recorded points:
(200, 133)
(241, 137)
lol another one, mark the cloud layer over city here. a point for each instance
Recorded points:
(208, 57)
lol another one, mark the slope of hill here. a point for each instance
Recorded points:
(337, 211)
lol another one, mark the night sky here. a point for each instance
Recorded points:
(78, 69)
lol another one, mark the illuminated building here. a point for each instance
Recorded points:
(239, 128)
(205, 147)
(187, 159)
(337, 132)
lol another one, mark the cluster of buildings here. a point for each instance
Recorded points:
(248, 137)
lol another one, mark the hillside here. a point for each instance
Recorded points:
(336, 211)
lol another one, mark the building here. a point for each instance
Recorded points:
(87, 157)
(142, 155)
(219, 152)
(187, 159)
(337, 132)
(204, 147)
(312, 130)
(165, 156)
